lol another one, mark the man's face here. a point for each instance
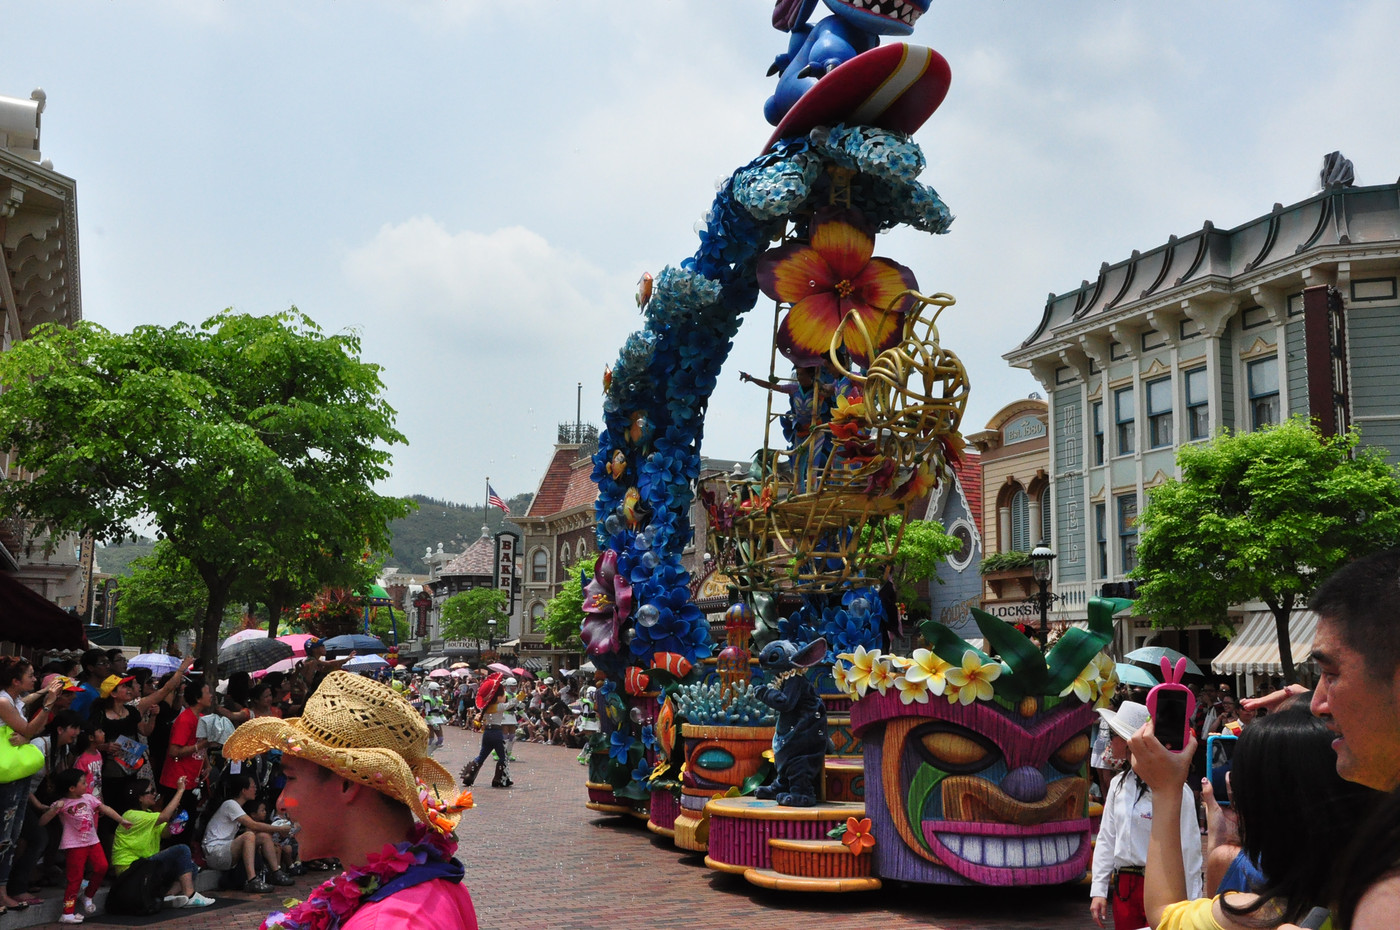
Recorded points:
(309, 800)
(206, 700)
(1362, 709)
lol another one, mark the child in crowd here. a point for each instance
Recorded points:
(142, 841)
(90, 758)
(79, 809)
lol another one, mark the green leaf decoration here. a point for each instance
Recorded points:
(924, 783)
(1021, 656)
(1077, 648)
(633, 791)
(947, 645)
(757, 779)
(836, 832)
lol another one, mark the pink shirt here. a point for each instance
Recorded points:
(79, 816)
(439, 904)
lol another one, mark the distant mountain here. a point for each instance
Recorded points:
(435, 521)
(456, 526)
(115, 560)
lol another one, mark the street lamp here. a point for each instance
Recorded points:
(491, 632)
(1041, 557)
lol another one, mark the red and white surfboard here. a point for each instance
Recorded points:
(894, 87)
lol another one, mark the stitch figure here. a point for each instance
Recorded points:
(855, 26)
(799, 740)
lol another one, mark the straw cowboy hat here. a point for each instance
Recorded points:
(364, 732)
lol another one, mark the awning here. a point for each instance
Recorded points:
(1254, 649)
(29, 619)
(510, 644)
(438, 662)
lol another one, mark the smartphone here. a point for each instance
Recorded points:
(1314, 919)
(1169, 717)
(1220, 751)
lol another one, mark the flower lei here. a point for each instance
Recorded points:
(331, 903)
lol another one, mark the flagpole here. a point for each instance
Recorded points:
(486, 506)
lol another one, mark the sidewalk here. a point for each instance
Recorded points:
(537, 859)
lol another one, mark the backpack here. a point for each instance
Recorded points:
(140, 890)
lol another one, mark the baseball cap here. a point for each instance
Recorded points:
(110, 683)
(68, 683)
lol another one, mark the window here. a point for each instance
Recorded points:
(564, 555)
(536, 616)
(1064, 374)
(1252, 317)
(1098, 432)
(1197, 404)
(1126, 416)
(1020, 522)
(1101, 537)
(1153, 340)
(539, 566)
(1045, 516)
(1127, 532)
(1117, 351)
(1159, 412)
(962, 532)
(1189, 329)
(1263, 393)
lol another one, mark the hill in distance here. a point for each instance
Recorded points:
(456, 526)
(115, 559)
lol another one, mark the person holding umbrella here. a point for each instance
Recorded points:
(316, 666)
(488, 700)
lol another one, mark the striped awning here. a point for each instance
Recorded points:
(1254, 648)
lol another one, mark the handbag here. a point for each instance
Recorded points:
(17, 762)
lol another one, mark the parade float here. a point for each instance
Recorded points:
(960, 763)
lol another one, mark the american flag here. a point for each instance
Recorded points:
(494, 500)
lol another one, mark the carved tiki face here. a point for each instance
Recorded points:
(978, 793)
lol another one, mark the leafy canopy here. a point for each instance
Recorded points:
(162, 597)
(563, 613)
(925, 544)
(466, 615)
(1261, 516)
(252, 444)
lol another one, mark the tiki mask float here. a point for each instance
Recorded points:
(977, 767)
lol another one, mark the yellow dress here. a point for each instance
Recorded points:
(1195, 914)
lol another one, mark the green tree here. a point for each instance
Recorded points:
(250, 443)
(924, 546)
(563, 613)
(162, 597)
(1261, 516)
(466, 615)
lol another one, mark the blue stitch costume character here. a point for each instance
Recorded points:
(855, 26)
(799, 739)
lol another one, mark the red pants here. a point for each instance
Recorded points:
(78, 859)
(1125, 897)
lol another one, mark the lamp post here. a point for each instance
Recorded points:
(491, 632)
(1041, 557)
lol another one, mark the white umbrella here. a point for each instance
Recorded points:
(366, 663)
(240, 636)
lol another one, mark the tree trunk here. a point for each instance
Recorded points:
(207, 636)
(274, 616)
(1282, 610)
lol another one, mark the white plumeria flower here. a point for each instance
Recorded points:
(862, 664)
(927, 667)
(882, 675)
(973, 679)
(911, 691)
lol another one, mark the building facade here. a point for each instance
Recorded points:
(39, 283)
(1294, 312)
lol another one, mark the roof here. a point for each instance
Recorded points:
(478, 559)
(1338, 219)
(969, 471)
(567, 482)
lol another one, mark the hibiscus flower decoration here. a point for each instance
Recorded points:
(858, 837)
(607, 604)
(972, 680)
(829, 277)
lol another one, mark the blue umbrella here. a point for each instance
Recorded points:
(354, 642)
(158, 662)
(1151, 656)
(368, 663)
(1129, 674)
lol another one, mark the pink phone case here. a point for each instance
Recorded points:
(1171, 681)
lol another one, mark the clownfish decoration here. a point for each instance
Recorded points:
(635, 681)
(672, 662)
(617, 465)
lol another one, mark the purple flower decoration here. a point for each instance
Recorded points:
(606, 606)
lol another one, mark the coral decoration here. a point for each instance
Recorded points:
(831, 276)
(607, 604)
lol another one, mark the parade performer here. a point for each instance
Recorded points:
(488, 700)
(362, 788)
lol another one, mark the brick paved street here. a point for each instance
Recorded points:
(537, 859)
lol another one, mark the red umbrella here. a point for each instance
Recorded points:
(502, 668)
(523, 673)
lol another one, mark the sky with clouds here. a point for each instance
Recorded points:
(476, 186)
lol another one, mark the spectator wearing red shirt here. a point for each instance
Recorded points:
(184, 759)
